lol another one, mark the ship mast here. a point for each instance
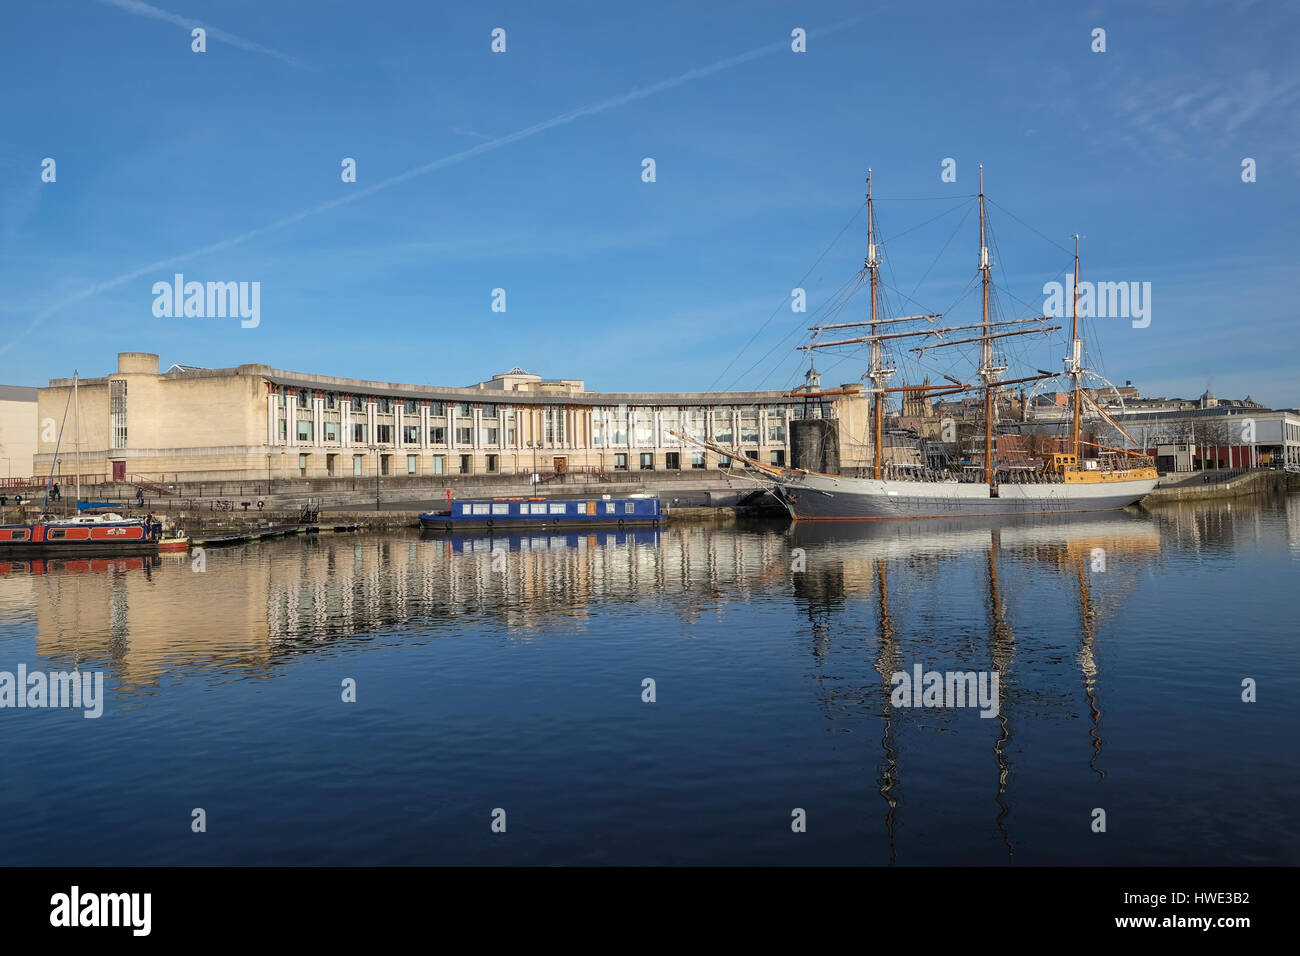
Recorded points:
(77, 410)
(878, 373)
(988, 371)
(1074, 364)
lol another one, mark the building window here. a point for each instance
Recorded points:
(673, 461)
(411, 434)
(724, 461)
(410, 407)
(722, 431)
(329, 465)
(438, 435)
(358, 403)
(464, 436)
(437, 408)
(463, 410)
(490, 435)
(642, 428)
(331, 400)
(752, 455)
(383, 464)
(302, 398)
(491, 463)
(331, 431)
(776, 425)
(410, 464)
(749, 427)
(306, 430)
(438, 464)
(620, 462)
(359, 432)
(384, 434)
(117, 400)
(385, 406)
(357, 467)
(489, 410)
(284, 430)
(698, 460)
(464, 464)
(302, 465)
(553, 425)
(778, 457)
(510, 435)
(647, 461)
(619, 420)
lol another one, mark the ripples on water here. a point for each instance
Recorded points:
(515, 680)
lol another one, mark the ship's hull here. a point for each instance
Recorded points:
(837, 498)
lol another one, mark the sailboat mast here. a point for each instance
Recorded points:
(77, 413)
(1076, 355)
(877, 358)
(986, 349)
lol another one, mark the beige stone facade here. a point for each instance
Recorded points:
(255, 422)
(18, 426)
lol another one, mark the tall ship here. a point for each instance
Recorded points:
(1078, 476)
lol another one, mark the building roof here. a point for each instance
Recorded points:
(17, 393)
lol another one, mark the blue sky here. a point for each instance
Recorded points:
(225, 166)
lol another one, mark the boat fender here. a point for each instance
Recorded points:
(620, 523)
(555, 521)
(490, 522)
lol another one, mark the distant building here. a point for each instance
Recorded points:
(18, 426)
(256, 422)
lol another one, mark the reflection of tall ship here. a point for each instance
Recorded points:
(1085, 477)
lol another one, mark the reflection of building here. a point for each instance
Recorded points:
(152, 616)
(256, 422)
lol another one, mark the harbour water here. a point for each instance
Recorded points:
(509, 674)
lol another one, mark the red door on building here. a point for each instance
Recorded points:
(119, 471)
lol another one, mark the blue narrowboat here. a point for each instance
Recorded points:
(632, 511)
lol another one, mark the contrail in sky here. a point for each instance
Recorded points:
(145, 10)
(603, 106)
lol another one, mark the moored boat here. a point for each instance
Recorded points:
(1081, 476)
(104, 534)
(631, 511)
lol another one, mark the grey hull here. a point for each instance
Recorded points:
(852, 499)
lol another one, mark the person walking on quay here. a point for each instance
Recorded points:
(55, 494)
(139, 497)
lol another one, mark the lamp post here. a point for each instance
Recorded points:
(534, 445)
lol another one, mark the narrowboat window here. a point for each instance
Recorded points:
(629, 507)
(558, 509)
(464, 509)
(58, 534)
(609, 507)
(501, 509)
(481, 509)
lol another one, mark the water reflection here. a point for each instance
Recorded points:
(806, 623)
